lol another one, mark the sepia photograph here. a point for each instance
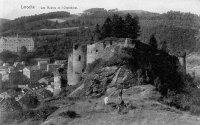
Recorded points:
(99, 62)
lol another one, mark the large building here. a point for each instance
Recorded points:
(14, 44)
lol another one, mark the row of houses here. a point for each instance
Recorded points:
(38, 86)
(19, 74)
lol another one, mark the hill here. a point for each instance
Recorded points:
(176, 28)
(64, 19)
(2, 20)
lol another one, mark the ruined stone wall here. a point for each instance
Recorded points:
(103, 50)
(182, 62)
(91, 53)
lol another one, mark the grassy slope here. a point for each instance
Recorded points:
(145, 110)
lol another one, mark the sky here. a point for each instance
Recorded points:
(11, 9)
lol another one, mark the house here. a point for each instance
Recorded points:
(4, 95)
(33, 73)
(18, 66)
(60, 61)
(43, 65)
(53, 67)
(14, 44)
(42, 59)
(15, 78)
(4, 75)
(30, 92)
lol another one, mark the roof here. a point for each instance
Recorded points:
(33, 67)
(56, 73)
(111, 39)
(18, 63)
(17, 39)
(3, 67)
(42, 59)
(43, 62)
(37, 85)
(5, 95)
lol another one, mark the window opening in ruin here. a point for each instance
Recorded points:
(76, 47)
(104, 45)
(110, 42)
(79, 58)
(97, 50)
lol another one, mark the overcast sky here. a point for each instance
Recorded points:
(11, 9)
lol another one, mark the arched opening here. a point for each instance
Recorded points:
(79, 58)
(76, 46)
(110, 42)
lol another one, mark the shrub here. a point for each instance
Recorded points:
(71, 114)
(188, 100)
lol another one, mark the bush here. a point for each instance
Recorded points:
(187, 101)
(71, 114)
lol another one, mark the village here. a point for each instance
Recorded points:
(28, 79)
(46, 79)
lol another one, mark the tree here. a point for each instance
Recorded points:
(7, 55)
(164, 46)
(153, 42)
(132, 27)
(23, 50)
(97, 32)
(117, 26)
(106, 29)
(22, 53)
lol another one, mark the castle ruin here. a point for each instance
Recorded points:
(82, 55)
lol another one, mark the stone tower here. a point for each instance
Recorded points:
(76, 64)
(57, 84)
(182, 60)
